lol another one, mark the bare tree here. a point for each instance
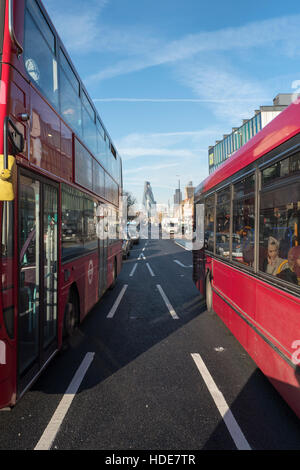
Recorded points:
(131, 201)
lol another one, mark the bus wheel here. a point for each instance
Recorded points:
(209, 293)
(71, 315)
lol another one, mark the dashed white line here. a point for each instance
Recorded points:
(52, 429)
(133, 270)
(182, 265)
(150, 270)
(167, 302)
(117, 302)
(142, 256)
(231, 424)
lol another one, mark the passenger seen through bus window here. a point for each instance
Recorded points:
(274, 264)
(292, 272)
(294, 261)
(280, 218)
(297, 262)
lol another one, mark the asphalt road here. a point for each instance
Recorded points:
(151, 369)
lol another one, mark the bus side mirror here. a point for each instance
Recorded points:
(7, 178)
(13, 135)
(17, 141)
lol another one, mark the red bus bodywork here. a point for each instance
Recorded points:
(264, 318)
(18, 97)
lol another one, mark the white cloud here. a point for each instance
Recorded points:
(164, 138)
(169, 100)
(185, 144)
(150, 168)
(79, 28)
(134, 49)
(230, 94)
(215, 83)
(135, 152)
(280, 32)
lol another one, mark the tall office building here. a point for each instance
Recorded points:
(148, 199)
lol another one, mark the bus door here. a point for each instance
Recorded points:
(38, 275)
(103, 244)
(198, 246)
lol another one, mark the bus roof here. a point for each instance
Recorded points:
(283, 127)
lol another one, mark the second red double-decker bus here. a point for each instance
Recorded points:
(60, 182)
(249, 268)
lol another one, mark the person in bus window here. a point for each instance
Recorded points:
(247, 244)
(274, 264)
(296, 261)
(289, 273)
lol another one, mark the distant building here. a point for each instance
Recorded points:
(177, 196)
(148, 199)
(189, 191)
(188, 209)
(230, 143)
(184, 211)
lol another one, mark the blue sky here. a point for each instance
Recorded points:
(170, 77)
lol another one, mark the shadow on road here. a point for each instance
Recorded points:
(142, 323)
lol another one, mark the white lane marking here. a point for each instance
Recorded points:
(52, 429)
(143, 249)
(231, 424)
(187, 247)
(167, 302)
(142, 256)
(117, 302)
(133, 270)
(182, 265)
(150, 270)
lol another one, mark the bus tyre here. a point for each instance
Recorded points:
(71, 315)
(208, 293)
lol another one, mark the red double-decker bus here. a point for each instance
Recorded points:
(249, 267)
(60, 182)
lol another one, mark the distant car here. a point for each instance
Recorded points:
(133, 232)
(170, 226)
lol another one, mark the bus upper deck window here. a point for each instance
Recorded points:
(39, 53)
